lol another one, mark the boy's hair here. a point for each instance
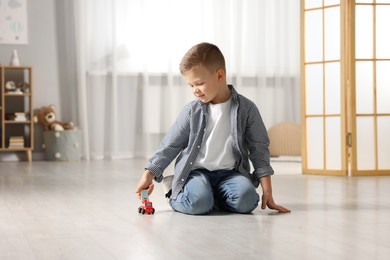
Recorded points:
(205, 54)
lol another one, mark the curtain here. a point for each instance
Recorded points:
(128, 55)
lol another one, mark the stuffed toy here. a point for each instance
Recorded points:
(47, 118)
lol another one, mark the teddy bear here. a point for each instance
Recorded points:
(47, 118)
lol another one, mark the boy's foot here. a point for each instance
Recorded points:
(167, 185)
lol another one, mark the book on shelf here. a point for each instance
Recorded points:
(15, 146)
(16, 142)
(17, 116)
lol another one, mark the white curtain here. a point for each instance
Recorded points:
(128, 54)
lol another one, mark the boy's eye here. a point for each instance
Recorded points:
(196, 84)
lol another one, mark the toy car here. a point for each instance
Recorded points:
(147, 206)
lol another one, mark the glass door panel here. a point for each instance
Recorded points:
(383, 142)
(333, 143)
(383, 1)
(383, 87)
(332, 88)
(365, 143)
(364, 32)
(314, 89)
(315, 142)
(313, 44)
(382, 31)
(364, 87)
(331, 2)
(332, 33)
(313, 4)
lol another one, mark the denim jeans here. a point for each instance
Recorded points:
(228, 189)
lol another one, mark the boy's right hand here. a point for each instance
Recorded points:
(146, 183)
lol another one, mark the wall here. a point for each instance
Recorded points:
(44, 53)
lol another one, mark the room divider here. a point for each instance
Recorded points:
(345, 72)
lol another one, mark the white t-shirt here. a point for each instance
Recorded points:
(216, 152)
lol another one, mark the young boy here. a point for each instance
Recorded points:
(214, 137)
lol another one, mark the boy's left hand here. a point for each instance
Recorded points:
(268, 201)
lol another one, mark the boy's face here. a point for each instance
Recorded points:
(205, 85)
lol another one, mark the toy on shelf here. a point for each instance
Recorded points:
(146, 206)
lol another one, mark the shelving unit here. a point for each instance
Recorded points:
(16, 120)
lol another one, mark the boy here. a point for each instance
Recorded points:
(214, 137)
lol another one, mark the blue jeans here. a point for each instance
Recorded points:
(229, 190)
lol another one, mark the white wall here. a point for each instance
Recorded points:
(44, 52)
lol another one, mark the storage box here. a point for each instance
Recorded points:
(62, 145)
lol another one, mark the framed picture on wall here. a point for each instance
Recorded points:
(13, 22)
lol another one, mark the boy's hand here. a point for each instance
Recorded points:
(146, 183)
(268, 201)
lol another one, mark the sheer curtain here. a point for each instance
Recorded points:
(128, 54)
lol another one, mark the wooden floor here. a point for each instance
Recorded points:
(88, 210)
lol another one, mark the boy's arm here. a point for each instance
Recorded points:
(267, 199)
(171, 145)
(258, 141)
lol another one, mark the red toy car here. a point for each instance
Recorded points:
(147, 206)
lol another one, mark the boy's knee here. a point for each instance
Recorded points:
(248, 202)
(194, 204)
(201, 203)
(245, 201)
(197, 197)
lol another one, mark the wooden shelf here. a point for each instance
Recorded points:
(8, 94)
(16, 102)
(16, 122)
(24, 149)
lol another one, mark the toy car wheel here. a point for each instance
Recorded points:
(153, 211)
(139, 210)
(143, 211)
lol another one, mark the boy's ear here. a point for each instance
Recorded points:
(220, 73)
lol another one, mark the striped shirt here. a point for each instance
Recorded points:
(185, 137)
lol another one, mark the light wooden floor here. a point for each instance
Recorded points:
(88, 210)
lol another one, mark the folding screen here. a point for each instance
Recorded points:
(370, 69)
(345, 86)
